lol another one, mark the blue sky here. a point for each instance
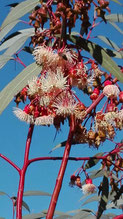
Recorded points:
(13, 133)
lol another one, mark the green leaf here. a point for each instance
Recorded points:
(114, 17)
(18, 37)
(12, 50)
(98, 173)
(6, 29)
(28, 49)
(93, 161)
(114, 54)
(4, 59)
(62, 144)
(24, 204)
(92, 199)
(2, 193)
(116, 1)
(36, 193)
(116, 27)
(16, 85)
(33, 216)
(99, 54)
(111, 215)
(19, 11)
(60, 213)
(104, 197)
(108, 42)
(82, 214)
(115, 205)
(64, 216)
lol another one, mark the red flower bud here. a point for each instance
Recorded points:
(107, 83)
(121, 97)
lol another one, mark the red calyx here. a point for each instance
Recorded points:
(88, 181)
(107, 83)
(93, 96)
(111, 107)
(27, 109)
(96, 91)
(121, 97)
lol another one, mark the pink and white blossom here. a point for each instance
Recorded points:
(23, 116)
(65, 104)
(111, 91)
(52, 80)
(44, 120)
(45, 56)
(33, 86)
(89, 188)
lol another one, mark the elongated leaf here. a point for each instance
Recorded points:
(98, 173)
(84, 196)
(13, 5)
(92, 199)
(114, 17)
(22, 33)
(28, 49)
(36, 193)
(104, 197)
(60, 213)
(4, 59)
(95, 174)
(114, 54)
(99, 54)
(64, 216)
(116, 1)
(24, 204)
(6, 30)
(108, 42)
(19, 11)
(62, 144)
(115, 205)
(2, 193)
(11, 50)
(82, 214)
(73, 211)
(7, 94)
(116, 27)
(93, 161)
(111, 215)
(33, 216)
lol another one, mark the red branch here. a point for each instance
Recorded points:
(116, 150)
(10, 162)
(118, 217)
(61, 171)
(22, 174)
(63, 166)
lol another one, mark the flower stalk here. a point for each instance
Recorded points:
(22, 174)
(61, 171)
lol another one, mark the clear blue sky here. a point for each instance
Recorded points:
(13, 133)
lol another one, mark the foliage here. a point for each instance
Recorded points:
(66, 62)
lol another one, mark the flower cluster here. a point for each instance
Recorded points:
(51, 95)
(87, 188)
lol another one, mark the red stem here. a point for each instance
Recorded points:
(22, 174)
(118, 217)
(61, 171)
(10, 162)
(63, 166)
